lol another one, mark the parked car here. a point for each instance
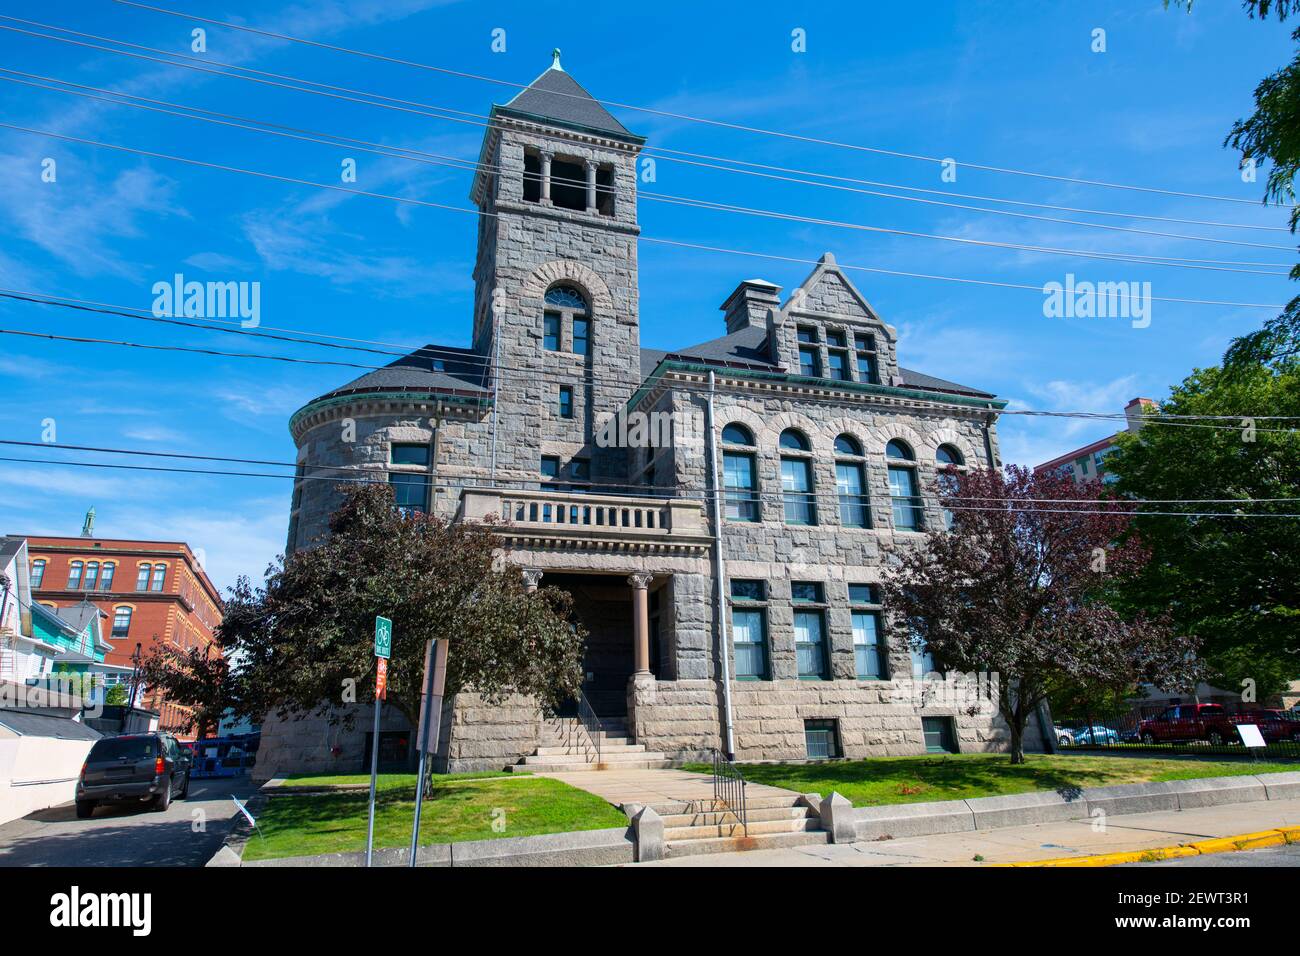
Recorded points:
(1275, 725)
(142, 768)
(1064, 737)
(1096, 734)
(1208, 722)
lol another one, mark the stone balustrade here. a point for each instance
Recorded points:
(629, 517)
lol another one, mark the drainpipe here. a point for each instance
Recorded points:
(720, 577)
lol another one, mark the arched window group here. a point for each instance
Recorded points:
(566, 320)
(798, 482)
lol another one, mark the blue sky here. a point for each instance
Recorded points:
(1004, 84)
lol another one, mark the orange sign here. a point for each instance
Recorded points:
(381, 679)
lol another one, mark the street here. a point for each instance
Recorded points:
(187, 834)
(1267, 857)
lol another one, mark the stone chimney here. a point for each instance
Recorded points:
(749, 304)
(1134, 411)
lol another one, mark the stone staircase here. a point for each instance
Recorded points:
(565, 746)
(710, 826)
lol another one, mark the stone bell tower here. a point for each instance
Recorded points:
(555, 303)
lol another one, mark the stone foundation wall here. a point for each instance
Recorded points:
(683, 719)
(312, 745)
(484, 736)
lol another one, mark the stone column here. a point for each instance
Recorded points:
(640, 582)
(590, 166)
(531, 578)
(546, 155)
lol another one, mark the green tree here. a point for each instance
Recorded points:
(1018, 586)
(303, 641)
(1271, 135)
(115, 696)
(1232, 582)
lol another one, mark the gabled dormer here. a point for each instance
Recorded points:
(827, 329)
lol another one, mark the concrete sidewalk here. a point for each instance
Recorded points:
(1043, 841)
(654, 787)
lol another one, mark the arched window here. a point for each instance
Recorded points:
(903, 493)
(142, 578)
(793, 440)
(848, 445)
(38, 572)
(159, 577)
(106, 579)
(92, 575)
(850, 483)
(899, 450)
(566, 306)
(797, 489)
(740, 475)
(734, 434)
(948, 455)
(74, 575)
(566, 297)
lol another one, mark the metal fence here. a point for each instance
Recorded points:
(1180, 729)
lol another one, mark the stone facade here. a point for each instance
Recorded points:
(513, 427)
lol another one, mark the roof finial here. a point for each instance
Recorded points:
(555, 60)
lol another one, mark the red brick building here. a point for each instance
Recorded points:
(150, 591)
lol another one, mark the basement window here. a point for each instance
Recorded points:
(821, 737)
(940, 737)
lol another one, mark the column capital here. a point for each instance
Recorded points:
(532, 577)
(589, 165)
(546, 155)
(640, 579)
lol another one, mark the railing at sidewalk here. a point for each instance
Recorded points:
(729, 788)
(590, 722)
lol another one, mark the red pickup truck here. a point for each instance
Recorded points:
(1209, 722)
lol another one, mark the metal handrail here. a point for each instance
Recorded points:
(729, 788)
(590, 722)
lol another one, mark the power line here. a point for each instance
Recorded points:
(683, 116)
(370, 469)
(436, 159)
(588, 377)
(1213, 265)
(643, 238)
(567, 504)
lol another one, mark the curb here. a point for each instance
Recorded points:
(1229, 844)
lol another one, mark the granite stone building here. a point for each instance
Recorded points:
(721, 512)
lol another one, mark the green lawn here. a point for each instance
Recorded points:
(882, 780)
(458, 809)
(385, 780)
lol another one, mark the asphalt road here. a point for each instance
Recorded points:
(1268, 857)
(187, 834)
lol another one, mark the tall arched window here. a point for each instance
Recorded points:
(159, 577)
(38, 572)
(797, 490)
(740, 474)
(949, 459)
(850, 483)
(74, 575)
(903, 487)
(121, 621)
(566, 307)
(106, 579)
(92, 575)
(142, 577)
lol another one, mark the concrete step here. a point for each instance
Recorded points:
(614, 758)
(706, 818)
(605, 748)
(734, 829)
(753, 804)
(644, 762)
(557, 740)
(765, 841)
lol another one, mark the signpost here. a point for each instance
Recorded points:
(435, 681)
(383, 650)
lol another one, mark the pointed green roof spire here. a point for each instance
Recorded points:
(88, 526)
(555, 60)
